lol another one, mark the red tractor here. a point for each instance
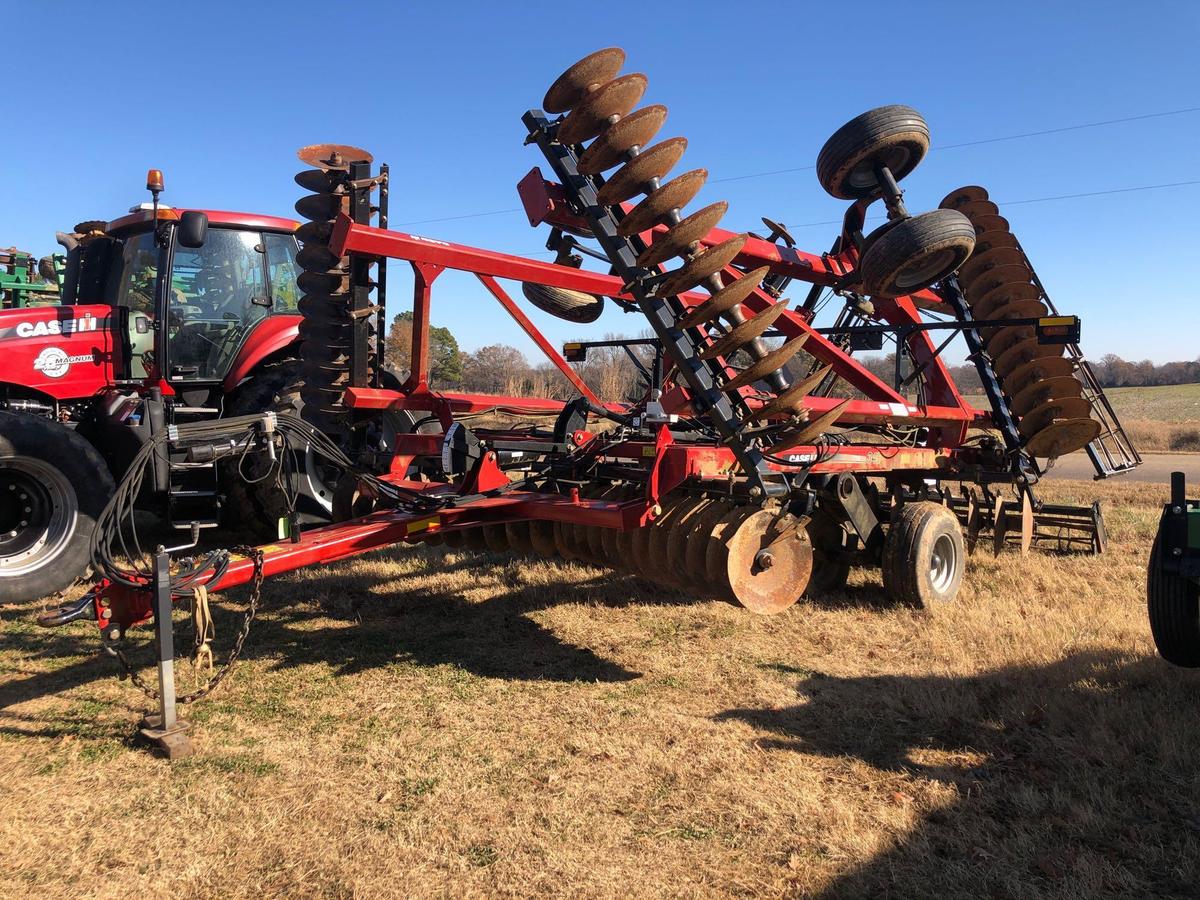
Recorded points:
(168, 316)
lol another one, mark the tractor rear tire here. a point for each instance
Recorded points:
(909, 255)
(1174, 606)
(53, 487)
(924, 556)
(895, 136)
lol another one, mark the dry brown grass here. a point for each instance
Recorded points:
(443, 724)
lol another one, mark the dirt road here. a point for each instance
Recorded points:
(1155, 467)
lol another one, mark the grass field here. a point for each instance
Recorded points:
(438, 723)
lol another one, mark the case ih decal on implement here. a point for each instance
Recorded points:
(763, 458)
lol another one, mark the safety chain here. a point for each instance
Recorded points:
(255, 593)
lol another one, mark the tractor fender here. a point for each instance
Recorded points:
(269, 338)
(64, 352)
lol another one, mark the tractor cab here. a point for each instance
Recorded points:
(189, 289)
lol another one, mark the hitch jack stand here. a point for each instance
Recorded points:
(165, 732)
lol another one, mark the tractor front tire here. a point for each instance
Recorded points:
(924, 556)
(53, 487)
(1174, 607)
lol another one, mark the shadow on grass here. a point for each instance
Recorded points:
(1087, 786)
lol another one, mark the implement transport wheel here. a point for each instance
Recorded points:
(53, 486)
(573, 306)
(1174, 606)
(911, 254)
(893, 136)
(924, 556)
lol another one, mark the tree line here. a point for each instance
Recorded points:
(503, 369)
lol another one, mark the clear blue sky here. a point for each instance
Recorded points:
(219, 95)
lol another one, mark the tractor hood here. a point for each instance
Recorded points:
(64, 352)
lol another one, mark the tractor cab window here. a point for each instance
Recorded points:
(131, 284)
(218, 293)
(282, 271)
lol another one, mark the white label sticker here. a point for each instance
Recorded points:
(53, 362)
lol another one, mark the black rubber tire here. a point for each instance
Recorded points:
(917, 529)
(908, 256)
(574, 306)
(1174, 606)
(894, 135)
(89, 482)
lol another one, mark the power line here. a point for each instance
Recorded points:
(994, 140)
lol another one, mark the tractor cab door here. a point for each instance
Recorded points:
(131, 285)
(217, 294)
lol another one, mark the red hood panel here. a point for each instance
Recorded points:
(66, 352)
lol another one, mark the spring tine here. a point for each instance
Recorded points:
(745, 332)
(776, 359)
(790, 401)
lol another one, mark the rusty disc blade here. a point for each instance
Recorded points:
(776, 359)
(330, 157)
(1060, 388)
(987, 260)
(681, 238)
(1019, 309)
(634, 130)
(677, 539)
(572, 85)
(1063, 436)
(675, 194)
(651, 552)
(1066, 408)
(716, 553)
(315, 232)
(317, 258)
(994, 278)
(768, 562)
(473, 539)
(1037, 370)
(519, 539)
(745, 332)
(725, 299)
(591, 114)
(322, 282)
(1024, 352)
(495, 537)
(541, 535)
(322, 206)
(702, 266)
(968, 194)
(631, 178)
(320, 181)
(994, 240)
(88, 226)
(563, 542)
(594, 533)
(977, 209)
(810, 431)
(1002, 295)
(610, 539)
(697, 546)
(990, 223)
(791, 401)
(453, 539)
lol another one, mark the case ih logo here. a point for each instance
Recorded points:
(57, 326)
(53, 362)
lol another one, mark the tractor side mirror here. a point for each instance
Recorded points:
(192, 229)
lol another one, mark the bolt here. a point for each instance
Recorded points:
(29, 509)
(1177, 510)
(755, 491)
(24, 524)
(12, 487)
(106, 613)
(1178, 551)
(764, 559)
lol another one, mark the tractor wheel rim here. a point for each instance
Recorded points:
(943, 563)
(38, 514)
